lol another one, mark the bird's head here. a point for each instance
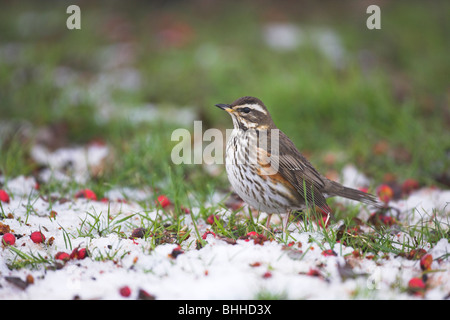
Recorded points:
(248, 113)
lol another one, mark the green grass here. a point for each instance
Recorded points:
(399, 99)
(30, 260)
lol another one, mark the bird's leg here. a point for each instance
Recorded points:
(269, 216)
(284, 222)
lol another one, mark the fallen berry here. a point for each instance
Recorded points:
(185, 210)
(314, 273)
(356, 254)
(125, 291)
(29, 279)
(409, 185)
(386, 220)
(260, 239)
(252, 234)
(64, 256)
(416, 254)
(324, 222)
(4, 197)
(206, 234)
(416, 286)
(74, 254)
(426, 261)
(257, 238)
(328, 253)
(267, 275)
(37, 237)
(212, 219)
(86, 194)
(163, 201)
(379, 219)
(385, 193)
(8, 239)
(79, 254)
(416, 283)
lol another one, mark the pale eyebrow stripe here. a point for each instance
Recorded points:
(256, 107)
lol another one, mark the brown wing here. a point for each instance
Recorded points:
(296, 169)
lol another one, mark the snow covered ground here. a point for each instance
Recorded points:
(121, 266)
(219, 270)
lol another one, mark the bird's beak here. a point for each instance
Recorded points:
(225, 107)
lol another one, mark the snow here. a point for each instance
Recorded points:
(80, 159)
(283, 36)
(219, 270)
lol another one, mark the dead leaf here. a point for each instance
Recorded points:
(4, 228)
(17, 282)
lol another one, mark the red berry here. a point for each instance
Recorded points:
(324, 221)
(82, 253)
(125, 291)
(386, 220)
(163, 201)
(185, 210)
(267, 275)
(206, 234)
(385, 193)
(409, 185)
(74, 254)
(416, 254)
(426, 261)
(8, 239)
(328, 253)
(87, 194)
(79, 254)
(417, 286)
(210, 219)
(313, 272)
(4, 197)
(259, 239)
(37, 237)
(62, 256)
(416, 283)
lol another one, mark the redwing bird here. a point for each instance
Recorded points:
(268, 172)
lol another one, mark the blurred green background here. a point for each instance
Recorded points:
(343, 93)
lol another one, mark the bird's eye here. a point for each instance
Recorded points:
(246, 110)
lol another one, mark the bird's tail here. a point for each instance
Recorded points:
(336, 189)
